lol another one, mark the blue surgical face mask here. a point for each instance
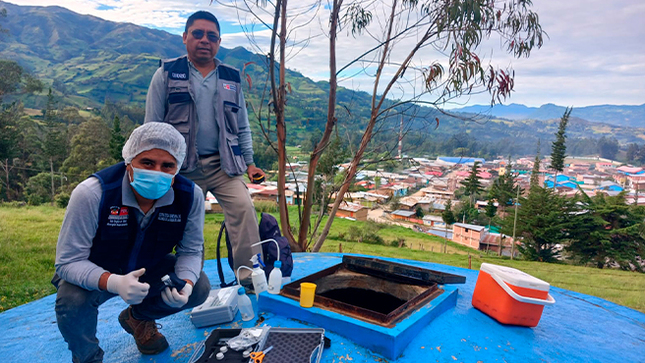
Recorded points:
(151, 184)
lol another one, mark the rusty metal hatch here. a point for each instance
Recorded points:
(373, 290)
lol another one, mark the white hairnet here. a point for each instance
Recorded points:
(155, 135)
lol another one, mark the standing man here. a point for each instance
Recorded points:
(118, 236)
(202, 98)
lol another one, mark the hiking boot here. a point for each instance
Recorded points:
(145, 333)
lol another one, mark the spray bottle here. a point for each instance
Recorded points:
(258, 277)
(275, 278)
(285, 279)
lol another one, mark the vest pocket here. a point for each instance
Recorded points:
(230, 114)
(238, 166)
(178, 107)
(179, 97)
(178, 115)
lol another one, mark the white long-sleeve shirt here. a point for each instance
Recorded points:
(82, 220)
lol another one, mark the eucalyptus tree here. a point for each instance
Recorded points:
(90, 150)
(414, 52)
(14, 80)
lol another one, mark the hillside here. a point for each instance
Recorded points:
(626, 116)
(89, 61)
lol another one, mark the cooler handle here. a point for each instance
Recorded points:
(549, 301)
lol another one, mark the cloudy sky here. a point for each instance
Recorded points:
(595, 53)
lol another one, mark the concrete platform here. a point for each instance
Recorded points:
(388, 342)
(578, 328)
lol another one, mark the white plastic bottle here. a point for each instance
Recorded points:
(244, 304)
(258, 277)
(275, 278)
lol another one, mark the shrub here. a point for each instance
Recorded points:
(38, 189)
(265, 206)
(14, 204)
(62, 199)
(373, 238)
(399, 242)
(374, 226)
(354, 233)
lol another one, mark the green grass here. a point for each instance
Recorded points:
(296, 152)
(28, 247)
(27, 250)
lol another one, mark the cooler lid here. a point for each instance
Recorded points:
(515, 277)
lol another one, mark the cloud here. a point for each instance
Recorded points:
(595, 53)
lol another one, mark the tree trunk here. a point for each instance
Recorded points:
(329, 126)
(445, 241)
(6, 164)
(353, 166)
(279, 100)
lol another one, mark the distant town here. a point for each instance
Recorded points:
(430, 184)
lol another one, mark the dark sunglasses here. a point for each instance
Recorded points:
(199, 34)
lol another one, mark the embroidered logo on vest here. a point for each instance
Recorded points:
(229, 86)
(118, 211)
(175, 75)
(118, 217)
(169, 217)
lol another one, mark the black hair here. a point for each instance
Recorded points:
(204, 15)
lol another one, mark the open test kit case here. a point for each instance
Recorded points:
(293, 345)
(511, 296)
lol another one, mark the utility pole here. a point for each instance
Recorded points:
(515, 221)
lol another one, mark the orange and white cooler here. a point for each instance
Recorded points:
(510, 296)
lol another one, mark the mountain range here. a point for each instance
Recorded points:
(630, 116)
(88, 61)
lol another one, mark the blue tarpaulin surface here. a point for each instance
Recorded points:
(578, 328)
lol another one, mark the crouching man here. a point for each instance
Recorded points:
(117, 239)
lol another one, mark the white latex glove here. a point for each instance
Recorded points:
(128, 286)
(174, 298)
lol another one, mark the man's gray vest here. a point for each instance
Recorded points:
(181, 113)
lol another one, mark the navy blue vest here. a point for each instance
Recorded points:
(120, 246)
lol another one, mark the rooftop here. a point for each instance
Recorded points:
(470, 226)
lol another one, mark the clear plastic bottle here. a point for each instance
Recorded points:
(244, 304)
(258, 277)
(275, 278)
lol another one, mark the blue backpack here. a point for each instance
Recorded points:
(269, 229)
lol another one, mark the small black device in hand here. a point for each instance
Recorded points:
(257, 178)
(171, 280)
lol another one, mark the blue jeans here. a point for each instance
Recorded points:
(77, 310)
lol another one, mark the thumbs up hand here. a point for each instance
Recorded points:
(128, 286)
